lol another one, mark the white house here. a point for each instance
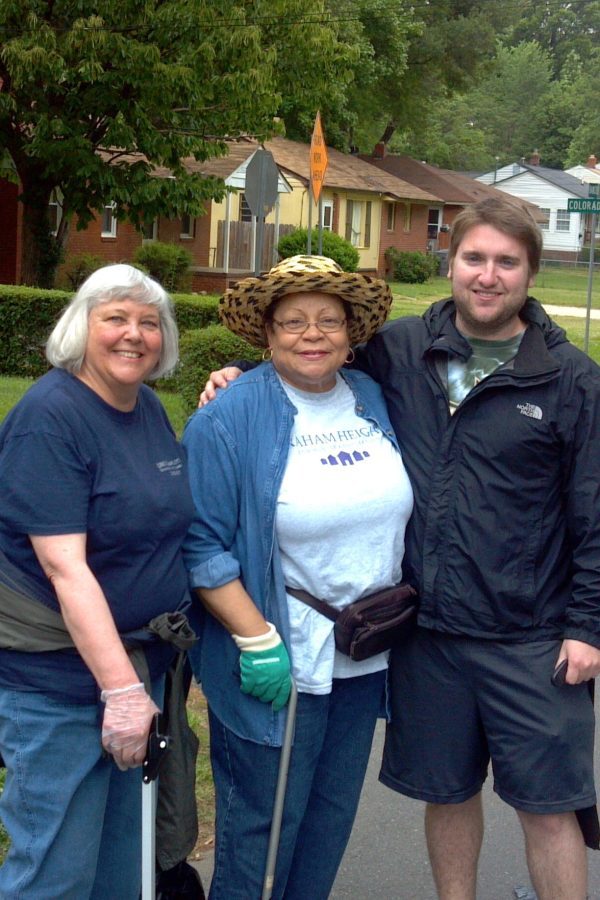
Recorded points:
(564, 233)
(589, 173)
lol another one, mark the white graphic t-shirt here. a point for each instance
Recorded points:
(341, 516)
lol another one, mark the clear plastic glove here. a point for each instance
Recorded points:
(265, 668)
(128, 714)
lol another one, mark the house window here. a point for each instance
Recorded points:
(188, 227)
(390, 210)
(150, 230)
(433, 224)
(407, 216)
(563, 220)
(245, 211)
(327, 220)
(109, 221)
(54, 211)
(545, 223)
(358, 222)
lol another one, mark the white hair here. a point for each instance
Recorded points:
(66, 345)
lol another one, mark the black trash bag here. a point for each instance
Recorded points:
(182, 882)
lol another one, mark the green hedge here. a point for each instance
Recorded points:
(27, 316)
(334, 246)
(202, 352)
(411, 266)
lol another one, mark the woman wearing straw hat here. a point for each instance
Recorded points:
(298, 484)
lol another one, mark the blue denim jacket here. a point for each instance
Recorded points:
(237, 450)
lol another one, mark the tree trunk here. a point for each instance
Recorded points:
(41, 252)
(387, 134)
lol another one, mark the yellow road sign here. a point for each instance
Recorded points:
(318, 159)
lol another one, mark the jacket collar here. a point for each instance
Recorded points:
(533, 357)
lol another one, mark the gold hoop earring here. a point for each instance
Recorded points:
(350, 358)
(267, 354)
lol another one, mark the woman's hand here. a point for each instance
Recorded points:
(265, 667)
(216, 380)
(264, 660)
(128, 714)
(90, 623)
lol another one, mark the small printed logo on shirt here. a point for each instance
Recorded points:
(170, 466)
(344, 459)
(530, 409)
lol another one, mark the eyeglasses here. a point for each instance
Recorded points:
(298, 326)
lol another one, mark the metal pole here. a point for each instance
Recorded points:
(320, 244)
(284, 764)
(588, 315)
(309, 235)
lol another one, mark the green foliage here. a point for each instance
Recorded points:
(202, 352)
(27, 316)
(411, 267)
(195, 311)
(95, 96)
(334, 246)
(561, 27)
(166, 263)
(78, 267)
(445, 46)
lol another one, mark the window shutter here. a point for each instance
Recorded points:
(367, 224)
(348, 234)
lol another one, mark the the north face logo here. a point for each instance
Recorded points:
(530, 409)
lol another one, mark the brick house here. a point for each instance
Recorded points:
(372, 208)
(451, 191)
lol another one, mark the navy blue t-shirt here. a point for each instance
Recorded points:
(69, 464)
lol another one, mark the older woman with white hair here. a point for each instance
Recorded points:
(94, 505)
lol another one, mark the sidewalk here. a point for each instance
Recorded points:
(575, 311)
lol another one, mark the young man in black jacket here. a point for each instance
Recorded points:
(498, 417)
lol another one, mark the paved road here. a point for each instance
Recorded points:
(387, 860)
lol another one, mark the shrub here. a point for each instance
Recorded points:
(27, 316)
(193, 311)
(334, 246)
(202, 352)
(166, 263)
(411, 267)
(79, 267)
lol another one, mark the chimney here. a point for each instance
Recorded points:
(379, 151)
(534, 159)
(592, 161)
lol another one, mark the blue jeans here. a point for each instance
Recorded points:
(329, 758)
(73, 818)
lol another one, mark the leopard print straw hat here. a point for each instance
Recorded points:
(242, 307)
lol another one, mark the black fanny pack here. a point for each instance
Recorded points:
(371, 625)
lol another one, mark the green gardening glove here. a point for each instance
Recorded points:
(265, 668)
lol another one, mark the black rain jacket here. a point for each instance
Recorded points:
(504, 541)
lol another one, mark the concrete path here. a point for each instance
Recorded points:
(386, 858)
(575, 311)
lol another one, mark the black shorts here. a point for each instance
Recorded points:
(458, 702)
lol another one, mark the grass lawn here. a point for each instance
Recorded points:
(560, 287)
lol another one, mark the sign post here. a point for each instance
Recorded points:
(260, 190)
(318, 167)
(585, 205)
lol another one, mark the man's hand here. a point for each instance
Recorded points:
(216, 380)
(583, 660)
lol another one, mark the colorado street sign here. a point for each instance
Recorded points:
(584, 205)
